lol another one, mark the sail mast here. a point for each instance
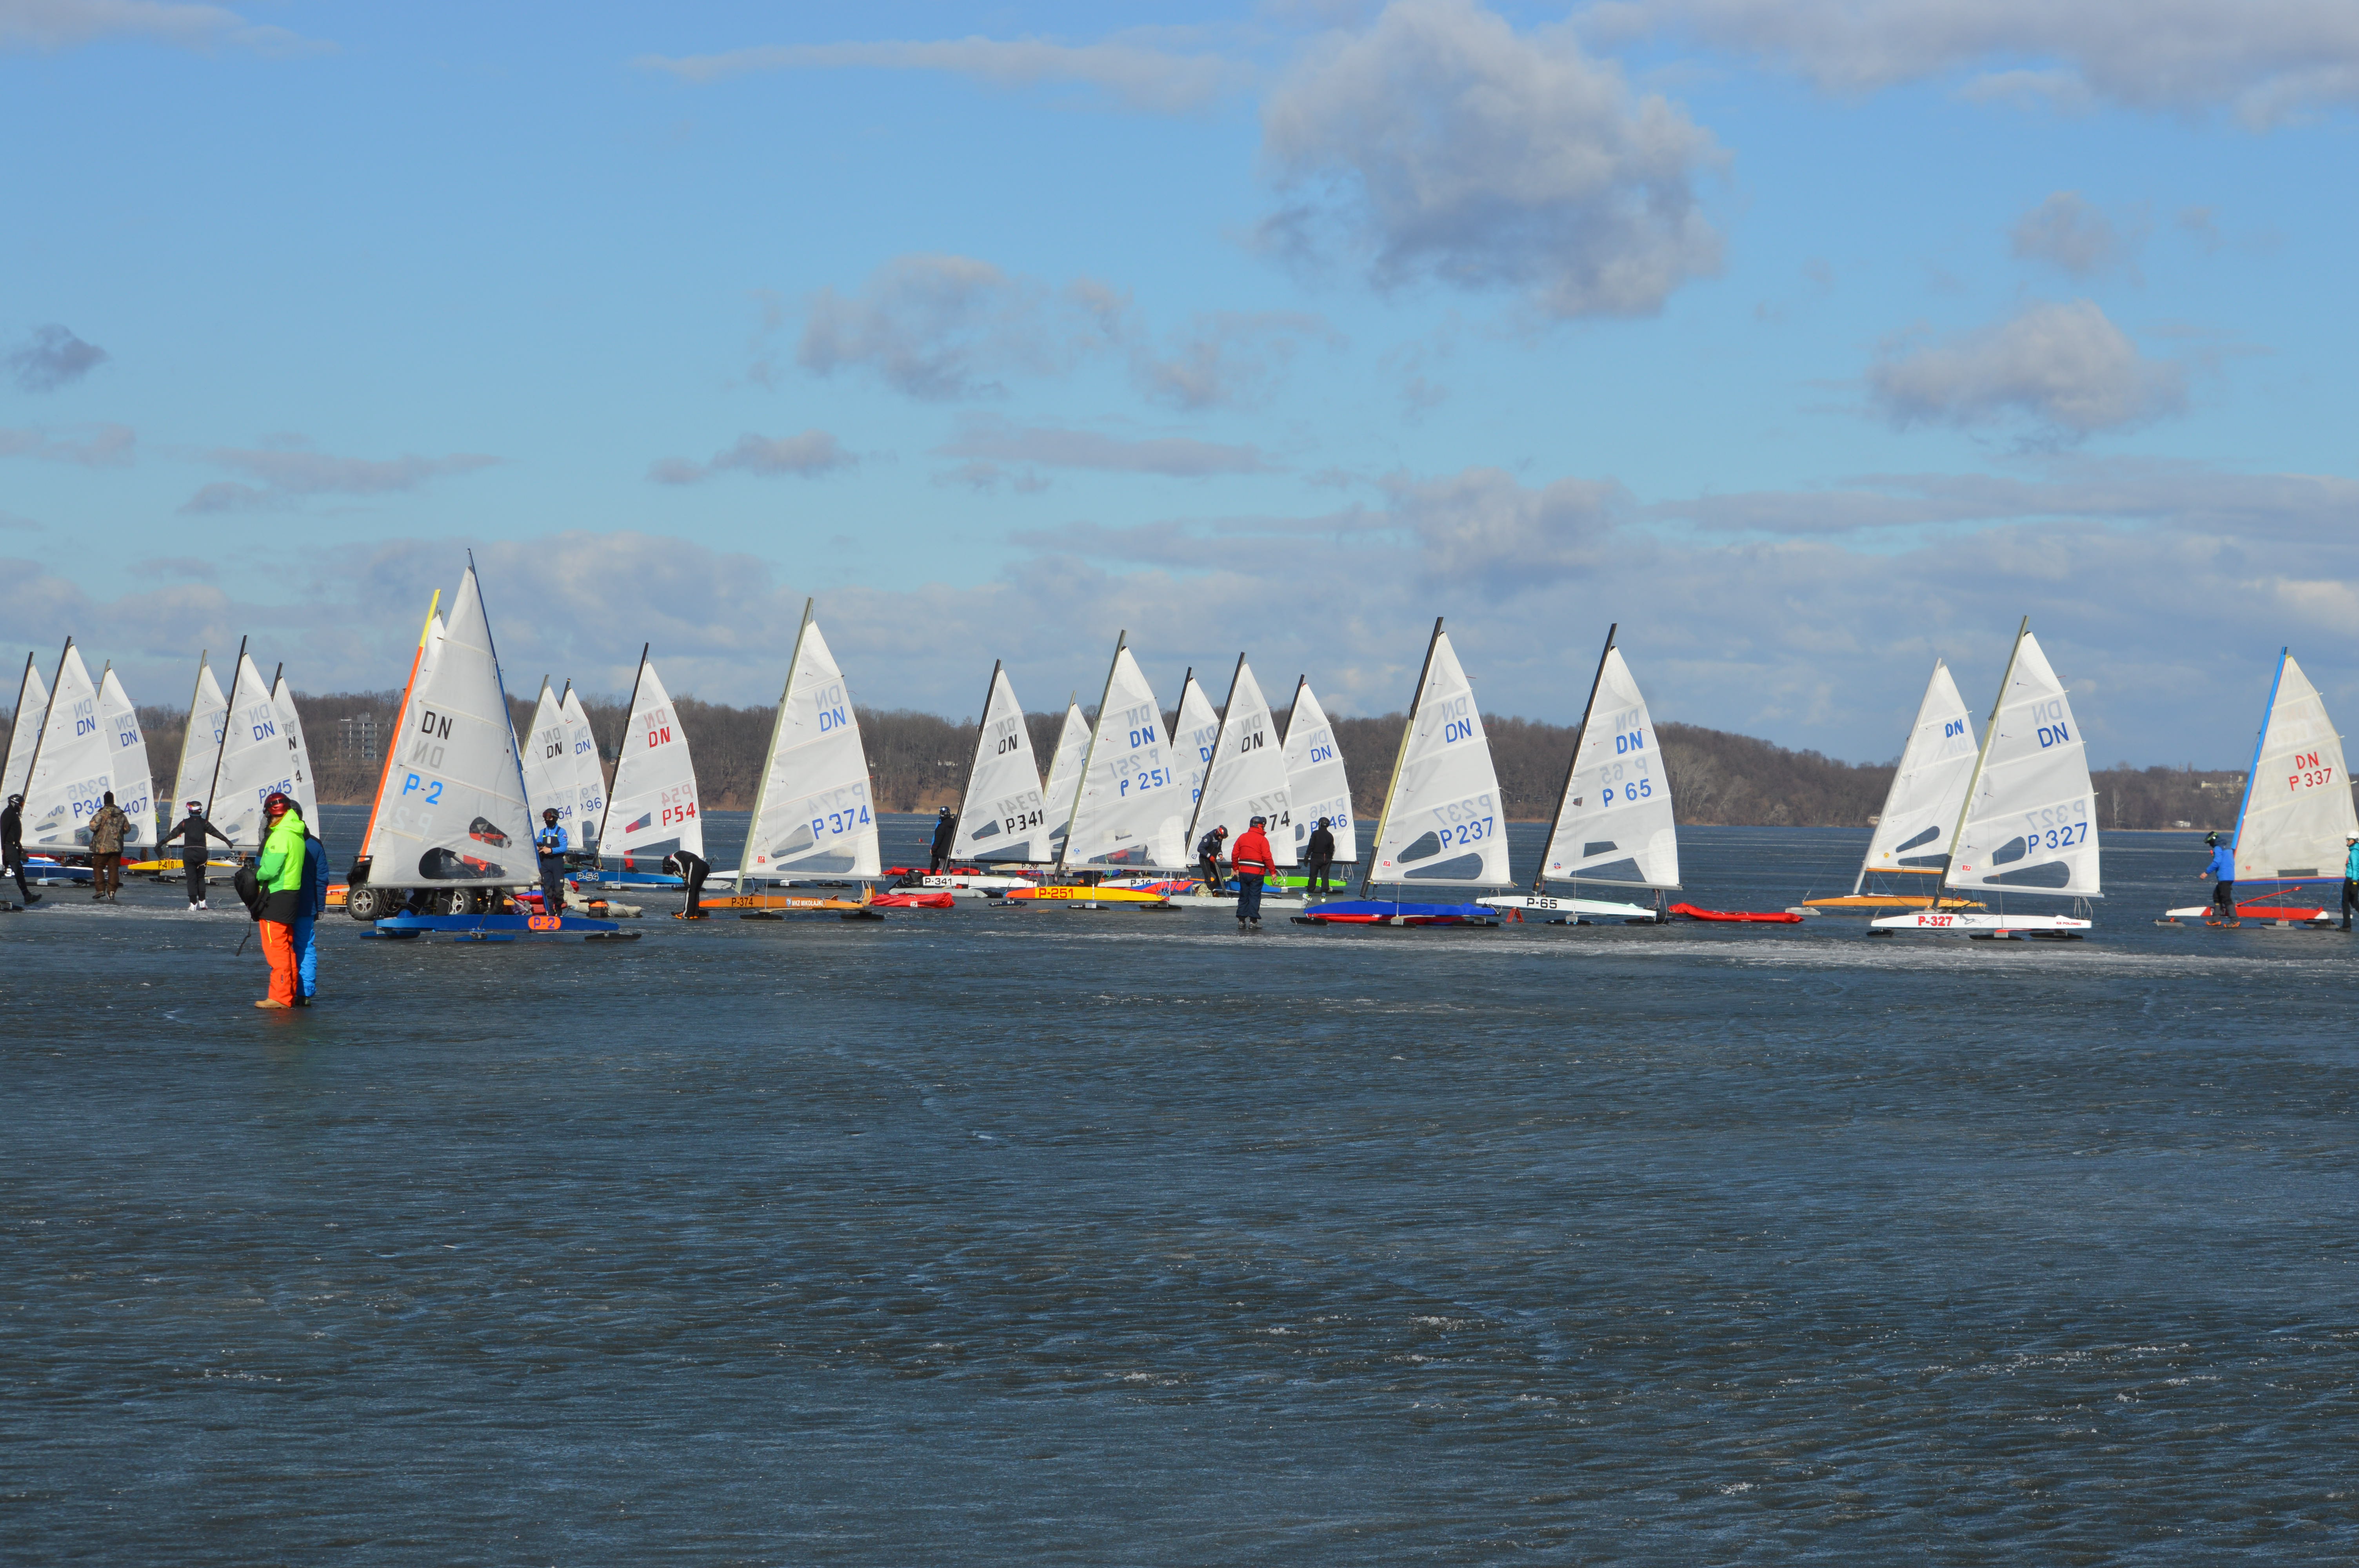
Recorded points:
(2268, 712)
(1384, 818)
(762, 790)
(1982, 756)
(1196, 811)
(236, 674)
(629, 708)
(1540, 872)
(1082, 784)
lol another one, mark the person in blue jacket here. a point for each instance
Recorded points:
(2222, 869)
(311, 904)
(551, 842)
(2349, 876)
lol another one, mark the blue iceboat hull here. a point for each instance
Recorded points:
(504, 928)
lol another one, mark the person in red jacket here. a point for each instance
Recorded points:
(1250, 858)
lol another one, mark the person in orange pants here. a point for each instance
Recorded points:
(280, 873)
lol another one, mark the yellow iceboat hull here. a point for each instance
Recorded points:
(779, 901)
(1881, 903)
(1085, 895)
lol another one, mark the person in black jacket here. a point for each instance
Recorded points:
(945, 835)
(692, 869)
(12, 846)
(1208, 854)
(191, 831)
(1318, 856)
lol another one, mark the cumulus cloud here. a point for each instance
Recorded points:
(1446, 146)
(994, 446)
(1483, 527)
(808, 455)
(2069, 232)
(93, 446)
(53, 357)
(285, 475)
(51, 24)
(944, 328)
(2063, 368)
(2261, 59)
(1131, 72)
(1227, 357)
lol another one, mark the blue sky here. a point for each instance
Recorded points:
(1807, 341)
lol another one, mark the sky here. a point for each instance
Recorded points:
(1804, 341)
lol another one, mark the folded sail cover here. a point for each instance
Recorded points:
(2297, 798)
(1005, 816)
(1615, 824)
(1443, 823)
(814, 813)
(454, 812)
(2032, 822)
(1920, 809)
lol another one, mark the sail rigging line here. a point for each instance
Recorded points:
(777, 725)
(1121, 641)
(629, 708)
(1982, 756)
(1572, 763)
(392, 743)
(1384, 818)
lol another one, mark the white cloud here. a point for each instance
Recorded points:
(50, 24)
(1135, 74)
(944, 328)
(290, 473)
(2074, 234)
(53, 357)
(2063, 368)
(2262, 60)
(808, 455)
(95, 445)
(1228, 357)
(1481, 526)
(1447, 146)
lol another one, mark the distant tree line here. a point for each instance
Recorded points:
(919, 761)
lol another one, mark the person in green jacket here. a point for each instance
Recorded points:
(281, 874)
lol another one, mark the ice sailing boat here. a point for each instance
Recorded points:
(1244, 778)
(2028, 822)
(1065, 765)
(813, 812)
(258, 758)
(652, 809)
(1195, 730)
(69, 772)
(1928, 788)
(589, 771)
(550, 783)
(452, 816)
(2292, 824)
(126, 751)
(363, 899)
(1613, 820)
(1128, 806)
(1441, 825)
(1315, 777)
(24, 732)
(1004, 815)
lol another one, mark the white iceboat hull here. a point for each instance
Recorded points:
(1545, 904)
(1964, 923)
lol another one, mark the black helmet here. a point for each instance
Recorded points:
(1257, 822)
(2210, 840)
(549, 813)
(1223, 830)
(16, 800)
(1326, 822)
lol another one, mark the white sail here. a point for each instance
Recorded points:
(1442, 822)
(1005, 816)
(655, 800)
(454, 812)
(253, 759)
(1064, 786)
(1247, 776)
(305, 788)
(1920, 809)
(589, 773)
(25, 734)
(1314, 776)
(2297, 798)
(71, 770)
(549, 775)
(1194, 731)
(126, 751)
(1133, 810)
(2032, 821)
(201, 742)
(1615, 824)
(814, 812)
